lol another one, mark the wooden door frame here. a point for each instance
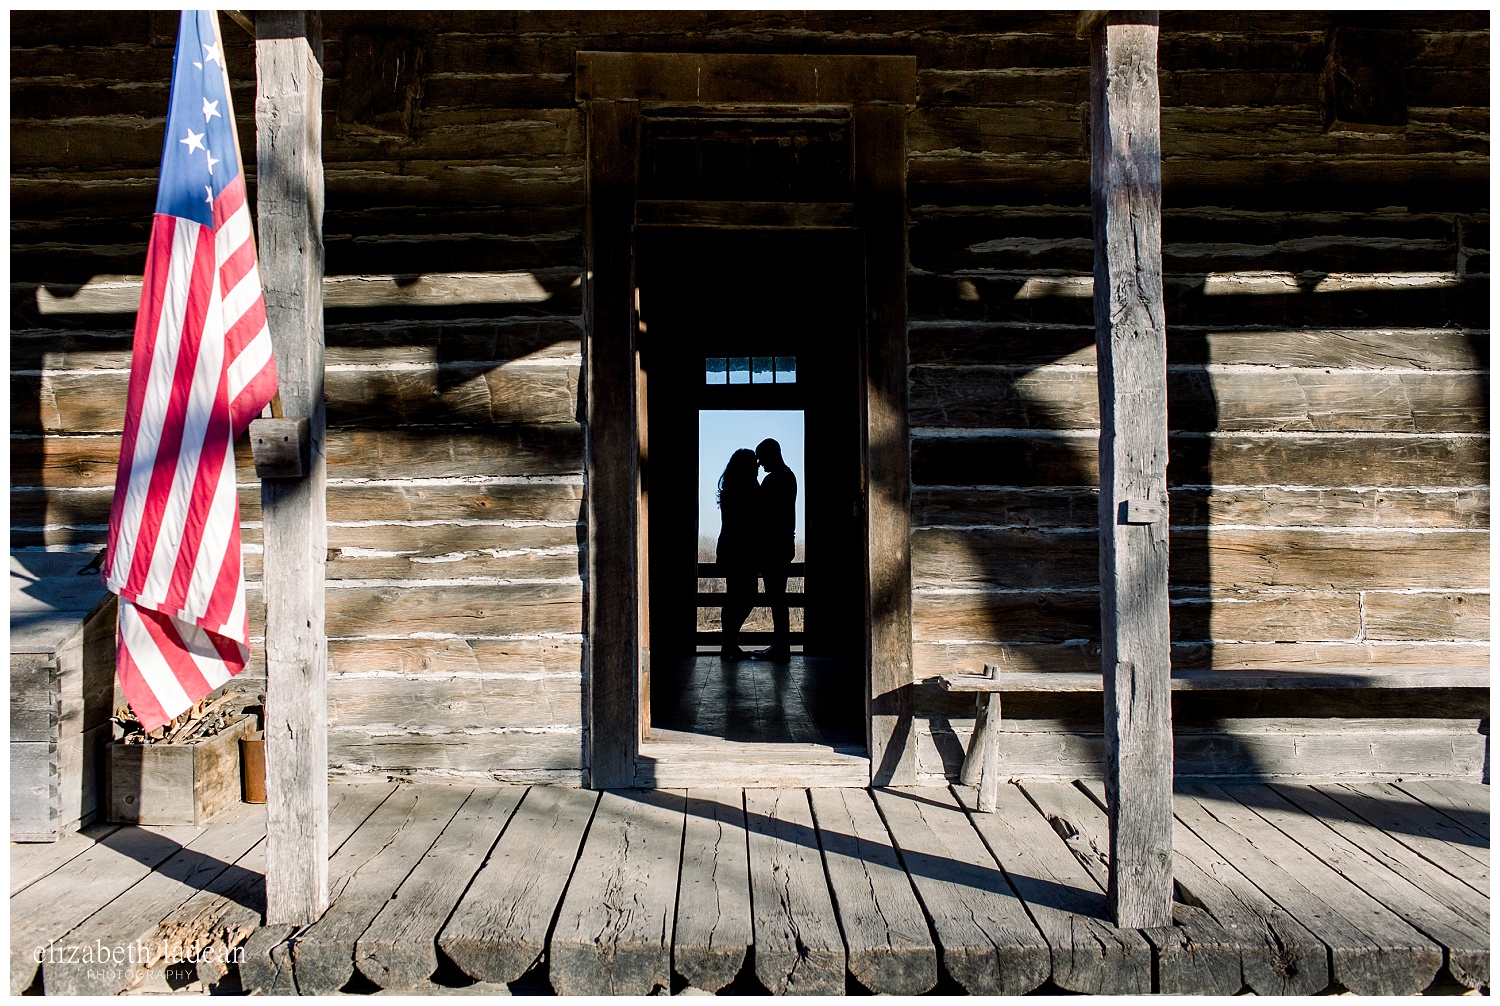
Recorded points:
(612, 87)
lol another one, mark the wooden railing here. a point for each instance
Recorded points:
(716, 599)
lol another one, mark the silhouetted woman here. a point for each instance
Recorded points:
(738, 539)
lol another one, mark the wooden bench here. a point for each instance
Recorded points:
(981, 761)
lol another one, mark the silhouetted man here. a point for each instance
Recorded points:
(778, 523)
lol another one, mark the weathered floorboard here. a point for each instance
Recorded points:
(987, 942)
(399, 949)
(1432, 902)
(713, 895)
(229, 911)
(130, 921)
(1195, 955)
(499, 929)
(1278, 956)
(42, 913)
(1411, 822)
(1089, 953)
(31, 861)
(1467, 803)
(614, 930)
(798, 949)
(890, 947)
(1373, 952)
(370, 866)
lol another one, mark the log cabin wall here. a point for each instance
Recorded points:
(1326, 249)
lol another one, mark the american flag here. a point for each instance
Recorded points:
(200, 370)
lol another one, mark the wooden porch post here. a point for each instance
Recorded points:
(289, 184)
(1130, 330)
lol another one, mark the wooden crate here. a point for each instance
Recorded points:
(62, 671)
(176, 783)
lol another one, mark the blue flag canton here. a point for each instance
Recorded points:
(199, 158)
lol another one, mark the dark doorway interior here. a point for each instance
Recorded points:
(753, 322)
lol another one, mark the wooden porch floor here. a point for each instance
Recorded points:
(1373, 888)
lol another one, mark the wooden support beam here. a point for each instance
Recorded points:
(1130, 330)
(880, 194)
(288, 117)
(613, 451)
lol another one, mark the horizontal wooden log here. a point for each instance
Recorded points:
(1360, 348)
(1042, 617)
(411, 452)
(955, 178)
(930, 659)
(1227, 558)
(96, 140)
(1057, 127)
(1316, 400)
(381, 502)
(477, 609)
(357, 563)
(1277, 304)
(1464, 616)
(1078, 508)
(513, 756)
(430, 701)
(1197, 460)
(535, 656)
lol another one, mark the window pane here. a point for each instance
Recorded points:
(760, 371)
(786, 370)
(739, 370)
(713, 371)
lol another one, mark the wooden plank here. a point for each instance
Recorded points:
(880, 193)
(1052, 459)
(987, 942)
(613, 451)
(1372, 951)
(1195, 955)
(1232, 680)
(1434, 903)
(1468, 803)
(614, 930)
(1278, 956)
(229, 911)
(1432, 836)
(890, 948)
(1227, 559)
(289, 173)
(1130, 333)
(370, 867)
(798, 949)
(31, 861)
(1199, 400)
(499, 929)
(44, 912)
(1089, 953)
(713, 895)
(128, 925)
(736, 77)
(453, 702)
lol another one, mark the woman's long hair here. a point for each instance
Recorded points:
(739, 477)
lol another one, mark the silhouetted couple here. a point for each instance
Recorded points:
(759, 521)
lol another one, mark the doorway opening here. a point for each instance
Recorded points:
(721, 432)
(747, 336)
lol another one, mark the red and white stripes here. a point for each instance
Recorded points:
(201, 369)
